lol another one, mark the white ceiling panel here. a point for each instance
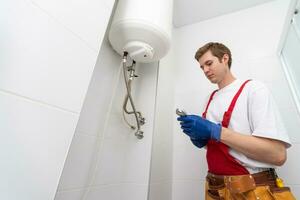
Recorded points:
(192, 11)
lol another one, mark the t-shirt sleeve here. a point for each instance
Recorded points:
(265, 120)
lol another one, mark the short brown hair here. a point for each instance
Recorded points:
(217, 49)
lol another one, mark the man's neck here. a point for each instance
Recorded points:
(226, 81)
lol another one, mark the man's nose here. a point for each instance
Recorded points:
(205, 69)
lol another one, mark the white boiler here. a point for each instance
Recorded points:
(142, 28)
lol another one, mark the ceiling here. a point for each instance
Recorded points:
(192, 11)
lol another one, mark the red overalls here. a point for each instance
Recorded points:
(219, 161)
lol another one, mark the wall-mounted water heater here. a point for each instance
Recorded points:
(142, 28)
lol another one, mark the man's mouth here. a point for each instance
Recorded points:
(210, 76)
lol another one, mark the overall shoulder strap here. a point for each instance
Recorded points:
(210, 98)
(228, 113)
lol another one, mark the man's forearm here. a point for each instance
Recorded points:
(257, 148)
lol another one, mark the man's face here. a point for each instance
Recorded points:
(213, 69)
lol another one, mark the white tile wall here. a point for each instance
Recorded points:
(269, 68)
(73, 16)
(189, 163)
(289, 172)
(290, 117)
(119, 191)
(295, 190)
(120, 161)
(281, 92)
(143, 92)
(114, 167)
(47, 60)
(102, 88)
(188, 189)
(161, 162)
(160, 181)
(124, 158)
(79, 162)
(160, 191)
(43, 60)
(79, 171)
(69, 195)
(86, 145)
(123, 161)
(34, 144)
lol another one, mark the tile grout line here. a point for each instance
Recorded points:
(99, 145)
(8, 93)
(99, 186)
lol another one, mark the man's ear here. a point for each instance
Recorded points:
(225, 58)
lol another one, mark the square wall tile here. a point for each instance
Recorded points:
(86, 19)
(266, 69)
(34, 146)
(291, 119)
(161, 163)
(189, 162)
(281, 92)
(43, 60)
(101, 91)
(123, 162)
(81, 158)
(188, 189)
(160, 191)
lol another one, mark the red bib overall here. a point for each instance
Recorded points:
(219, 160)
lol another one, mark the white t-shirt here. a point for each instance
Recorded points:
(255, 113)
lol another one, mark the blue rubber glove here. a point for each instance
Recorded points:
(199, 128)
(199, 143)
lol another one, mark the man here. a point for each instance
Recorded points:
(242, 132)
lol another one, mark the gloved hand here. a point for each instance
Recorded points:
(199, 128)
(199, 143)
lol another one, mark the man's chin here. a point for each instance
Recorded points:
(213, 80)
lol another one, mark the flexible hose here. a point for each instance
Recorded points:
(128, 96)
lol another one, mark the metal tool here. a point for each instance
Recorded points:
(180, 112)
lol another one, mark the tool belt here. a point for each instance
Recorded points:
(242, 183)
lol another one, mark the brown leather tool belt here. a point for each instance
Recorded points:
(241, 183)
